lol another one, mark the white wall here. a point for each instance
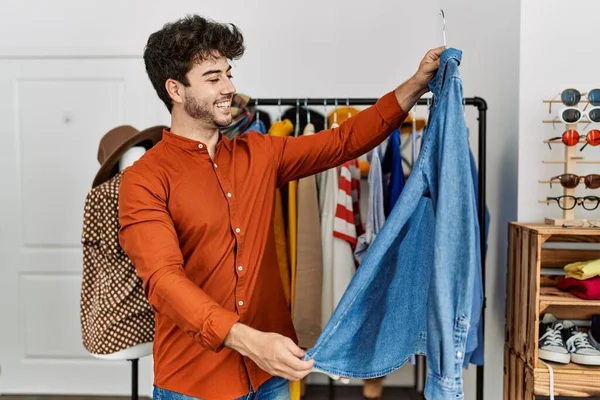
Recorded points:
(353, 48)
(555, 55)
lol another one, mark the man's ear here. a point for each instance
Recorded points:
(175, 90)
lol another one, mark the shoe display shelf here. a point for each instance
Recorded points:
(531, 292)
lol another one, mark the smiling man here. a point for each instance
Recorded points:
(196, 218)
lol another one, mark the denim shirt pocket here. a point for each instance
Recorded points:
(461, 330)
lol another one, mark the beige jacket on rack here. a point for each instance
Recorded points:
(309, 261)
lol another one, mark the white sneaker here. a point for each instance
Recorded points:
(551, 344)
(582, 352)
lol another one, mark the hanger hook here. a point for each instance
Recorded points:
(325, 110)
(297, 127)
(444, 29)
(335, 111)
(348, 106)
(257, 111)
(279, 107)
(307, 111)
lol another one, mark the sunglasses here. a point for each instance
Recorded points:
(571, 181)
(573, 115)
(571, 137)
(569, 202)
(572, 97)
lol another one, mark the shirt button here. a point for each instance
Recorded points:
(228, 194)
(200, 146)
(238, 230)
(215, 165)
(240, 268)
(241, 303)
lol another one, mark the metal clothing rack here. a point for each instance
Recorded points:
(481, 165)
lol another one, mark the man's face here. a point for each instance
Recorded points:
(208, 98)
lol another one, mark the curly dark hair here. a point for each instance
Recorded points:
(172, 51)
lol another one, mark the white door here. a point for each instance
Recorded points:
(52, 116)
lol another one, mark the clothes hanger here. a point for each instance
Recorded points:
(297, 127)
(257, 111)
(348, 107)
(279, 109)
(307, 111)
(444, 28)
(335, 110)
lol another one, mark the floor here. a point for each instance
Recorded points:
(312, 393)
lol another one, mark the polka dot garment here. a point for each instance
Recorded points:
(114, 311)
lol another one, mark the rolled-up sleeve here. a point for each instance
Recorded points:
(148, 236)
(297, 157)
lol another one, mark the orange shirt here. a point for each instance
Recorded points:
(200, 235)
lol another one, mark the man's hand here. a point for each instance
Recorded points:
(272, 352)
(410, 91)
(428, 68)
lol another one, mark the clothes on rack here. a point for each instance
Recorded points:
(328, 190)
(317, 119)
(309, 261)
(242, 113)
(282, 128)
(258, 126)
(375, 207)
(392, 168)
(432, 235)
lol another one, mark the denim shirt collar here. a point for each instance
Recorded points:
(435, 85)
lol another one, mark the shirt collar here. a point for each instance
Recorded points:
(187, 143)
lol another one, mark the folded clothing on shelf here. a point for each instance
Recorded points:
(588, 289)
(583, 269)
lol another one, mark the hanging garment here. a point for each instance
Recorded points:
(242, 113)
(392, 163)
(328, 192)
(475, 343)
(355, 185)
(316, 118)
(413, 291)
(344, 235)
(292, 231)
(375, 210)
(258, 126)
(114, 312)
(282, 128)
(341, 114)
(309, 262)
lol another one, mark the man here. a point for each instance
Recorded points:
(196, 218)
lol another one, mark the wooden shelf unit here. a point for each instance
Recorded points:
(530, 294)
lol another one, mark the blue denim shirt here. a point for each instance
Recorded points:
(413, 293)
(475, 349)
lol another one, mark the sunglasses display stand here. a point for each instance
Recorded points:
(572, 157)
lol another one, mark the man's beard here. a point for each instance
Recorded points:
(201, 111)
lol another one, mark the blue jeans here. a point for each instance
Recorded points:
(275, 388)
